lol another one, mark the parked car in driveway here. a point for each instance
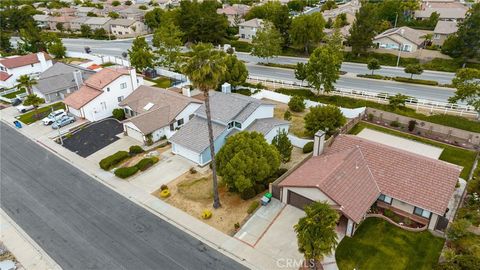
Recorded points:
(23, 108)
(16, 102)
(53, 116)
(63, 121)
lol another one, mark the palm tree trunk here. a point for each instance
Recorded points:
(216, 199)
(29, 90)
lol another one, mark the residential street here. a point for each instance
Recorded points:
(82, 224)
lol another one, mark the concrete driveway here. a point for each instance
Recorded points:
(401, 143)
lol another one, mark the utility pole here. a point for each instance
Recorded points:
(59, 133)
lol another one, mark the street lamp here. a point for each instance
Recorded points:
(59, 134)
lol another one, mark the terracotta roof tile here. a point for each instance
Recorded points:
(105, 76)
(4, 76)
(80, 98)
(20, 61)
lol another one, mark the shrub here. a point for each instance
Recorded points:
(163, 187)
(388, 213)
(118, 114)
(468, 261)
(370, 116)
(287, 115)
(135, 149)
(296, 104)
(146, 163)
(374, 76)
(206, 214)
(248, 193)
(411, 125)
(280, 172)
(193, 170)
(415, 81)
(236, 226)
(328, 118)
(253, 206)
(395, 124)
(126, 172)
(165, 193)
(458, 229)
(308, 147)
(259, 188)
(113, 160)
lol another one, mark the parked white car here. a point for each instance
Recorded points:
(23, 108)
(55, 115)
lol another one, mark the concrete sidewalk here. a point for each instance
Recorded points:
(232, 247)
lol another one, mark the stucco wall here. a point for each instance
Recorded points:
(386, 41)
(264, 111)
(311, 193)
(186, 153)
(219, 142)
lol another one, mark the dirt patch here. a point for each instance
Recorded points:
(193, 194)
(156, 152)
(297, 157)
(297, 124)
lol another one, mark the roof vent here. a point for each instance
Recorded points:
(148, 106)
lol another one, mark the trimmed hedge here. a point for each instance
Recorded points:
(374, 76)
(146, 163)
(126, 172)
(110, 161)
(135, 149)
(241, 46)
(416, 81)
(308, 147)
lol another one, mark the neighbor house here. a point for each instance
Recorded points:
(55, 22)
(127, 27)
(234, 13)
(448, 11)
(60, 80)
(132, 13)
(76, 24)
(248, 29)
(102, 92)
(97, 23)
(401, 38)
(66, 11)
(230, 113)
(354, 175)
(443, 30)
(41, 20)
(12, 67)
(83, 11)
(155, 113)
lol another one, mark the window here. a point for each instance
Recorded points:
(127, 111)
(123, 85)
(420, 212)
(108, 89)
(238, 125)
(120, 98)
(104, 105)
(180, 122)
(172, 127)
(230, 125)
(190, 117)
(385, 199)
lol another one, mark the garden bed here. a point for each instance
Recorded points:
(192, 193)
(33, 116)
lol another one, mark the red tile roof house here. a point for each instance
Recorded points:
(12, 67)
(102, 92)
(354, 173)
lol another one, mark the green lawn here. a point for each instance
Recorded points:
(162, 82)
(32, 116)
(451, 154)
(378, 244)
(14, 94)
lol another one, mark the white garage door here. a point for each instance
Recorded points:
(134, 134)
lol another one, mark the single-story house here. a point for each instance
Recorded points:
(53, 22)
(443, 30)
(66, 11)
(448, 11)
(83, 11)
(12, 67)
(132, 13)
(60, 80)
(354, 174)
(102, 92)
(98, 22)
(76, 24)
(401, 38)
(127, 27)
(248, 29)
(155, 113)
(230, 113)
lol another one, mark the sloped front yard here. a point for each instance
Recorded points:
(378, 244)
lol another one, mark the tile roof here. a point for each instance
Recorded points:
(61, 19)
(4, 76)
(97, 21)
(123, 22)
(20, 61)
(453, 10)
(445, 27)
(252, 23)
(105, 76)
(166, 106)
(80, 98)
(411, 178)
(265, 125)
(194, 134)
(413, 35)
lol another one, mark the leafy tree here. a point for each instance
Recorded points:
(323, 67)
(373, 65)
(154, 17)
(246, 160)
(306, 39)
(85, 30)
(397, 101)
(283, 145)
(330, 4)
(412, 69)
(301, 71)
(100, 33)
(296, 5)
(467, 82)
(275, 12)
(296, 104)
(31, 39)
(14, 18)
(363, 29)
(24, 81)
(141, 55)
(341, 20)
(168, 39)
(35, 101)
(60, 27)
(116, 3)
(113, 15)
(316, 234)
(57, 49)
(128, 3)
(142, 7)
(201, 23)
(5, 45)
(267, 43)
(458, 229)
(236, 72)
(327, 118)
(205, 69)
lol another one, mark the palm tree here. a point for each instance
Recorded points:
(205, 69)
(26, 82)
(35, 101)
(316, 234)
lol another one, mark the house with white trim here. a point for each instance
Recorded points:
(12, 67)
(401, 38)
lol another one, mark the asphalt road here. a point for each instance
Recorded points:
(82, 224)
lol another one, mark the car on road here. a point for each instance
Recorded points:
(24, 108)
(63, 121)
(53, 116)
